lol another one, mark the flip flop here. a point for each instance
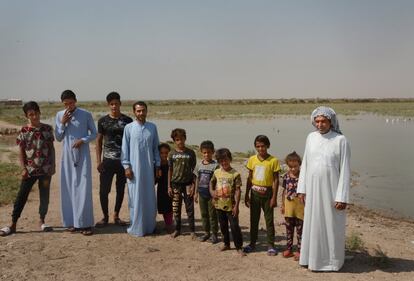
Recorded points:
(271, 252)
(5, 231)
(248, 249)
(87, 231)
(45, 228)
(102, 223)
(72, 229)
(120, 222)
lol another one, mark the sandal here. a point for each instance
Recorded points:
(225, 248)
(102, 223)
(120, 222)
(45, 228)
(271, 252)
(5, 231)
(287, 254)
(87, 231)
(248, 249)
(72, 229)
(296, 256)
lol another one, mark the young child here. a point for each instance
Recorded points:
(204, 172)
(181, 161)
(37, 159)
(164, 202)
(292, 208)
(225, 189)
(263, 181)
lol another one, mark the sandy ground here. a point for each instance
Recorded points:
(111, 254)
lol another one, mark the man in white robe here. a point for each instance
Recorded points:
(324, 188)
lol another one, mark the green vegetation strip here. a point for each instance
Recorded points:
(231, 109)
(9, 182)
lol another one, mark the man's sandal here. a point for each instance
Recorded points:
(87, 231)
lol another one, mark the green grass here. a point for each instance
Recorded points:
(354, 242)
(230, 109)
(9, 182)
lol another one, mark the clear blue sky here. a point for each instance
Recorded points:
(207, 49)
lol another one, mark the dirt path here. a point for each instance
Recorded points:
(111, 254)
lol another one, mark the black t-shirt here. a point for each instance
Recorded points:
(112, 130)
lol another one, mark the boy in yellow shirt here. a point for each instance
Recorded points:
(261, 192)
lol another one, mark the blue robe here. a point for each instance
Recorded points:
(140, 153)
(76, 177)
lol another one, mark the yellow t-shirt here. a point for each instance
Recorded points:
(263, 170)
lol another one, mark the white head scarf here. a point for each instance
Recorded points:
(328, 113)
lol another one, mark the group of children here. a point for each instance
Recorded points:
(214, 184)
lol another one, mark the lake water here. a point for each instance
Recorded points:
(382, 151)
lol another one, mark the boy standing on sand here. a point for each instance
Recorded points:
(37, 159)
(204, 171)
(263, 181)
(182, 161)
(225, 189)
(110, 132)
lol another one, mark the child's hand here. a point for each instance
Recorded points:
(235, 211)
(247, 200)
(158, 172)
(273, 202)
(170, 191)
(191, 191)
(52, 171)
(302, 198)
(25, 174)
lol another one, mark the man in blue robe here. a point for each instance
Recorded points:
(76, 128)
(139, 157)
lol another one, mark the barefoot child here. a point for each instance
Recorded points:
(164, 203)
(263, 181)
(37, 159)
(182, 161)
(292, 208)
(204, 171)
(225, 190)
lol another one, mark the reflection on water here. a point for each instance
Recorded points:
(381, 151)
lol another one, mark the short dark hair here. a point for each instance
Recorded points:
(263, 139)
(178, 132)
(164, 145)
(140, 103)
(207, 144)
(31, 105)
(293, 157)
(68, 94)
(223, 153)
(113, 96)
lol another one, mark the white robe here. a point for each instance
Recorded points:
(325, 179)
